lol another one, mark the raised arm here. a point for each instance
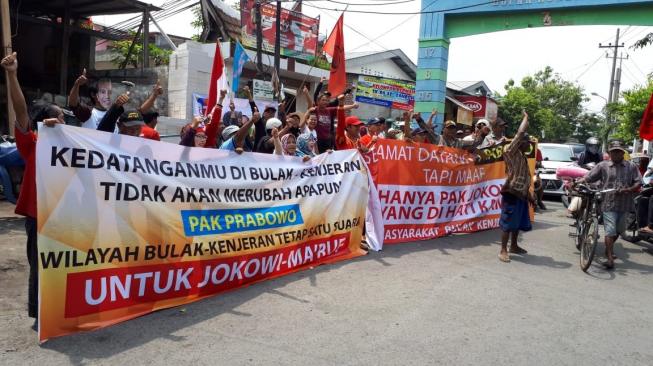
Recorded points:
(73, 97)
(406, 129)
(349, 107)
(212, 128)
(523, 126)
(10, 64)
(239, 139)
(157, 90)
(309, 102)
(433, 137)
(340, 129)
(248, 94)
(318, 88)
(434, 113)
(278, 149)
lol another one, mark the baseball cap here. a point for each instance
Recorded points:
(449, 124)
(229, 131)
(353, 121)
(272, 123)
(131, 119)
(375, 121)
(482, 122)
(616, 145)
(500, 122)
(270, 107)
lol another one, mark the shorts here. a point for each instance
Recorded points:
(515, 215)
(614, 223)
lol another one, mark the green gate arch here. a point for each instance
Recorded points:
(442, 20)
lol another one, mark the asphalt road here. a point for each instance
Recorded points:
(447, 301)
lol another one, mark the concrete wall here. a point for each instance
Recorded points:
(384, 68)
(190, 72)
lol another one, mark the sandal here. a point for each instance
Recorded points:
(505, 258)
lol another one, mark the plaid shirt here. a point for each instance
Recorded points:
(518, 181)
(611, 175)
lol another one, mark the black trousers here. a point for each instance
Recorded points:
(32, 259)
(645, 211)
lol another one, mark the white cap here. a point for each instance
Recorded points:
(483, 122)
(272, 123)
(228, 131)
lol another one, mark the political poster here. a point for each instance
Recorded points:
(428, 191)
(241, 104)
(389, 93)
(130, 226)
(299, 33)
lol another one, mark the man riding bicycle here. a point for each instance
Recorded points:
(623, 179)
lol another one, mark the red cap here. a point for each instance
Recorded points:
(353, 121)
(199, 130)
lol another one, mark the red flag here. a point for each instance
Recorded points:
(335, 47)
(216, 74)
(646, 127)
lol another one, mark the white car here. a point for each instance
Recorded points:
(554, 156)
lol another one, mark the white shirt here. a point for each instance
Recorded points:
(94, 121)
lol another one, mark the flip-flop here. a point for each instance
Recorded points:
(519, 250)
(504, 259)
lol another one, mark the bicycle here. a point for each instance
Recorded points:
(588, 225)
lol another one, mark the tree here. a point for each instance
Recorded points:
(629, 112)
(158, 55)
(647, 40)
(197, 23)
(554, 106)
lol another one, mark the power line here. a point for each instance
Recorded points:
(405, 13)
(393, 28)
(588, 69)
(370, 4)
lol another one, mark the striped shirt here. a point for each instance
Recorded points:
(518, 181)
(615, 176)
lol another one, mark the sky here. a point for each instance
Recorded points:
(495, 58)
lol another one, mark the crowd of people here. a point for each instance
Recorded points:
(322, 128)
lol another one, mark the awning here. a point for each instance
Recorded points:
(458, 103)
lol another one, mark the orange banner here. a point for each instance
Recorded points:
(428, 191)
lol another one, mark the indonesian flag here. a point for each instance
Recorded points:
(335, 47)
(218, 79)
(646, 127)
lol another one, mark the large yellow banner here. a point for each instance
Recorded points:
(127, 226)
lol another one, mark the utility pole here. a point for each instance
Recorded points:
(617, 81)
(615, 54)
(612, 95)
(259, 38)
(7, 50)
(277, 45)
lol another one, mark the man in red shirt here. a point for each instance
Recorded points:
(148, 130)
(348, 130)
(26, 144)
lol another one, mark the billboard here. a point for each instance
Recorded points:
(483, 107)
(298, 31)
(395, 94)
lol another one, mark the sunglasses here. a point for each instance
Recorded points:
(452, 127)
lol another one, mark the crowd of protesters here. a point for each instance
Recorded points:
(324, 127)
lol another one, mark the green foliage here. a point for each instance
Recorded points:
(553, 104)
(647, 40)
(158, 56)
(629, 112)
(197, 23)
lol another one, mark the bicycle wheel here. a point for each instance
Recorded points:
(588, 244)
(579, 225)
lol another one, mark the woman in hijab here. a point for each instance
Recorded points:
(306, 144)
